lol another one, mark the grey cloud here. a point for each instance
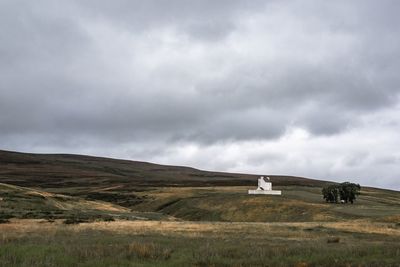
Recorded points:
(203, 19)
(240, 125)
(122, 73)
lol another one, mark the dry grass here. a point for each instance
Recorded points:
(287, 230)
(297, 204)
(46, 200)
(365, 227)
(148, 251)
(173, 243)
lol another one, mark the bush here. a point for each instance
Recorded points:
(108, 219)
(75, 220)
(333, 240)
(4, 221)
(4, 217)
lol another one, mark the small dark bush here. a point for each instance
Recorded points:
(108, 219)
(318, 228)
(5, 216)
(333, 240)
(4, 221)
(29, 215)
(125, 200)
(75, 220)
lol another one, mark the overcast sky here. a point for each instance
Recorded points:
(307, 88)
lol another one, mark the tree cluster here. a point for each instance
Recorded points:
(344, 192)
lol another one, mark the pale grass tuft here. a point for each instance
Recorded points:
(148, 251)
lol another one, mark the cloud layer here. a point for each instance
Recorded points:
(264, 87)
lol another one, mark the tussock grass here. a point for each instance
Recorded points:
(148, 251)
(152, 243)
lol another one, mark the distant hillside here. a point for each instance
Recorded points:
(63, 170)
(61, 186)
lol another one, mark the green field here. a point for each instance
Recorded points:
(64, 210)
(160, 243)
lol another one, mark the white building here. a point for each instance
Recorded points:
(264, 188)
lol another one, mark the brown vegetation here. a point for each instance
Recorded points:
(61, 170)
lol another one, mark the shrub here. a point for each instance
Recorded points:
(4, 221)
(75, 220)
(4, 217)
(333, 240)
(108, 219)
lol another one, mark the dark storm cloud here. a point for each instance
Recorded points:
(151, 75)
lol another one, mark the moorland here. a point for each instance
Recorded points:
(74, 210)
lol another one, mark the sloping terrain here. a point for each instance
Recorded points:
(22, 202)
(59, 170)
(59, 185)
(297, 204)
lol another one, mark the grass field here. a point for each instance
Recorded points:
(152, 243)
(68, 210)
(203, 226)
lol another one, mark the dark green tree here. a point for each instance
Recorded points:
(349, 192)
(331, 193)
(346, 192)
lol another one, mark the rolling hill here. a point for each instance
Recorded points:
(63, 170)
(64, 210)
(60, 185)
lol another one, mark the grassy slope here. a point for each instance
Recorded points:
(298, 204)
(52, 171)
(22, 202)
(73, 180)
(295, 231)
